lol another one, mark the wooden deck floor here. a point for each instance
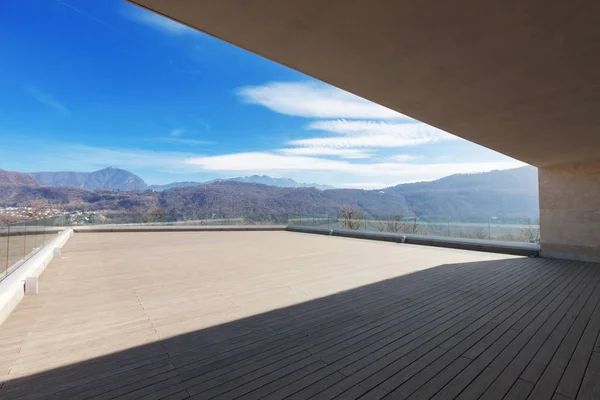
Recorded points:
(281, 315)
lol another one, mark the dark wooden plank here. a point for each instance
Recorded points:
(310, 391)
(503, 338)
(547, 383)
(279, 383)
(506, 318)
(519, 391)
(573, 376)
(508, 365)
(315, 382)
(590, 387)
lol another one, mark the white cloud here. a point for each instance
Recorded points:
(47, 99)
(177, 132)
(155, 21)
(314, 100)
(259, 161)
(360, 134)
(394, 172)
(327, 151)
(405, 157)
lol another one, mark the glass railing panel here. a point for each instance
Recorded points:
(4, 249)
(507, 229)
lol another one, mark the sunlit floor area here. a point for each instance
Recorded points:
(278, 315)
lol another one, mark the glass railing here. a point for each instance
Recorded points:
(506, 229)
(159, 218)
(20, 241)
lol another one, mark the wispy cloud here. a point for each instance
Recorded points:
(359, 134)
(47, 99)
(177, 132)
(327, 151)
(155, 21)
(125, 158)
(314, 100)
(87, 15)
(184, 141)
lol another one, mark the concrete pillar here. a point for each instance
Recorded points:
(31, 285)
(570, 211)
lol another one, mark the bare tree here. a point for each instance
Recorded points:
(152, 214)
(415, 228)
(394, 224)
(351, 218)
(478, 233)
(530, 232)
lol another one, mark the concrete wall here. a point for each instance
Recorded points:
(570, 211)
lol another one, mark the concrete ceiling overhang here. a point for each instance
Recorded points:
(519, 77)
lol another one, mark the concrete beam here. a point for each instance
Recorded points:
(513, 75)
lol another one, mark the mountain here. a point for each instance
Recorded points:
(11, 178)
(505, 192)
(107, 178)
(261, 179)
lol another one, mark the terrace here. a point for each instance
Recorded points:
(279, 314)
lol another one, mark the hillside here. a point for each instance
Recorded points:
(510, 193)
(107, 178)
(238, 199)
(12, 178)
(160, 188)
(507, 193)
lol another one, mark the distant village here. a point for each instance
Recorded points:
(21, 214)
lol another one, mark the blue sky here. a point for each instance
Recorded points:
(90, 84)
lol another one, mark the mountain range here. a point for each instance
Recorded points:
(511, 193)
(120, 179)
(261, 179)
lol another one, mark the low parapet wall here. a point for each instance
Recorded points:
(519, 249)
(12, 288)
(175, 228)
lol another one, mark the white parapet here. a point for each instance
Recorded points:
(13, 287)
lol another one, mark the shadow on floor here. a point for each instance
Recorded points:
(409, 335)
